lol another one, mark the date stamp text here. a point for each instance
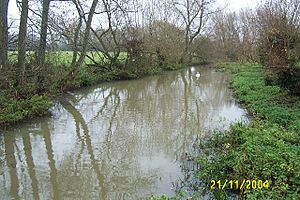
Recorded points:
(239, 184)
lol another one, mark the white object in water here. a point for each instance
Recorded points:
(193, 69)
(197, 74)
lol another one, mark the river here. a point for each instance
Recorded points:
(118, 140)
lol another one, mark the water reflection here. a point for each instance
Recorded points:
(31, 166)
(9, 145)
(121, 140)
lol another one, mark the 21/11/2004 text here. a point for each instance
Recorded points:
(239, 185)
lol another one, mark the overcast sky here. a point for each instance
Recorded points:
(238, 4)
(232, 5)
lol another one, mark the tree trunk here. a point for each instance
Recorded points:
(77, 66)
(75, 42)
(43, 33)
(85, 38)
(22, 41)
(3, 34)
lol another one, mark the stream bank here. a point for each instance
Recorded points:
(265, 150)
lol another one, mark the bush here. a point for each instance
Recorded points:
(13, 110)
(279, 43)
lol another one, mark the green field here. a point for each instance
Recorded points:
(65, 57)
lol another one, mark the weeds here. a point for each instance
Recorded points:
(267, 148)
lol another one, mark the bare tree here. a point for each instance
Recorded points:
(193, 13)
(165, 40)
(78, 64)
(22, 38)
(109, 33)
(43, 33)
(75, 41)
(249, 34)
(278, 23)
(226, 32)
(3, 34)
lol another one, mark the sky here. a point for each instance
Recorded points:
(236, 5)
(232, 5)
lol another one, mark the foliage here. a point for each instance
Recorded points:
(265, 149)
(163, 197)
(31, 98)
(269, 103)
(13, 110)
(204, 51)
(163, 44)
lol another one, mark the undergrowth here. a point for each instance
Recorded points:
(33, 98)
(265, 149)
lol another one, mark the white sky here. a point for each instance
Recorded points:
(232, 5)
(236, 5)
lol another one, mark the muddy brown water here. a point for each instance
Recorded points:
(119, 140)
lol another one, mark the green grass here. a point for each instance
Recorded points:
(265, 149)
(65, 57)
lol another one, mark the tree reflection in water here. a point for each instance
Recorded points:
(122, 140)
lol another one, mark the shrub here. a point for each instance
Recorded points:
(14, 110)
(279, 40)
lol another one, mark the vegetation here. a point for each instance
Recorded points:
(87, 42)
(19, 102)
(265, 149)
(163, 197)
(16, 110)
(55, 50)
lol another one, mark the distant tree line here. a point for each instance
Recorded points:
(269, 34)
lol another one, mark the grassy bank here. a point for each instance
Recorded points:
(19, 102)
(267, 149)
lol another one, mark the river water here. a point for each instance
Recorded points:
(119, 140)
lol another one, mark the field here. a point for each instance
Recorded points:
(65, 57)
